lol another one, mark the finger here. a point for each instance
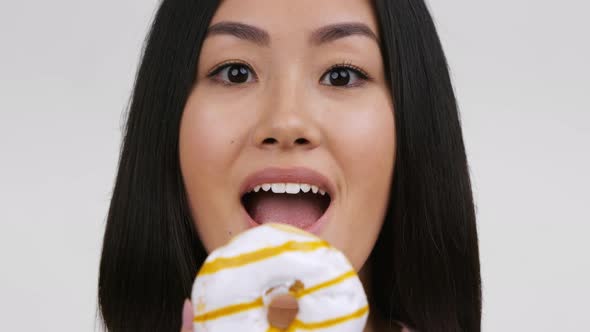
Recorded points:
(187, 317)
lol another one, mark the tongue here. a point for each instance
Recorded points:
(299, 210)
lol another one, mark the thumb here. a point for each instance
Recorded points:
(187, 317)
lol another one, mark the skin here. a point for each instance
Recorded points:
(349, 131)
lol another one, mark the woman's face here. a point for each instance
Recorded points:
(289, 96)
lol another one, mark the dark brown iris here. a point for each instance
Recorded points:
(237, 74)
(339, 77)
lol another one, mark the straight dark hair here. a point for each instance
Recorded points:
(425, 264)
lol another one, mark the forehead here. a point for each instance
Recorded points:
(295, 18)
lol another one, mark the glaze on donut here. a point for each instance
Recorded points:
(238, 281)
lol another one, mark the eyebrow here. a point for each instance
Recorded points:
(323, 35)
(332, 32)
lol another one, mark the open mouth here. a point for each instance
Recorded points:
(299, 205)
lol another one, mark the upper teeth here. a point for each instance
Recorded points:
(289, 188)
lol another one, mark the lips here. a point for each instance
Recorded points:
(300, 197)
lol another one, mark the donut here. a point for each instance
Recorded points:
(237, 282)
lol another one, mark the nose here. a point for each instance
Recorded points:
(287, 122)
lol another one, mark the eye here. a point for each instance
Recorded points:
(344, 76)
(233, 73)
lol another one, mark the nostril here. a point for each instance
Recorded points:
(269, 140)
(301, 141)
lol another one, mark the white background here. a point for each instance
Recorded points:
(522, 79)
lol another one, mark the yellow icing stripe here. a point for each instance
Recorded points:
(258, 255)
(326, 284)
(297, 324)
(291, 229)
(229, 310)
(273, 329)
(236, 308)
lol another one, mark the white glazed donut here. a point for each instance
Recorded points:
(238, 281)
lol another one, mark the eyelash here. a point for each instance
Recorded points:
(363, 76)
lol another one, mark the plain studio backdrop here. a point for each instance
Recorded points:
(522, 78)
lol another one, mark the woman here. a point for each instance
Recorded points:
(351, 95)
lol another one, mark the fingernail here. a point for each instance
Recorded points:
(187, 316)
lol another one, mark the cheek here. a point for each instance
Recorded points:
(364, 146)
(213, 130)
(206, 136)
(208, 147)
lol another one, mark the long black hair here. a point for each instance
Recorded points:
(425, 264)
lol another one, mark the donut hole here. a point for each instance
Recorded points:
(282, 311)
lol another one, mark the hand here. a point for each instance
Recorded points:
(187, 317)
